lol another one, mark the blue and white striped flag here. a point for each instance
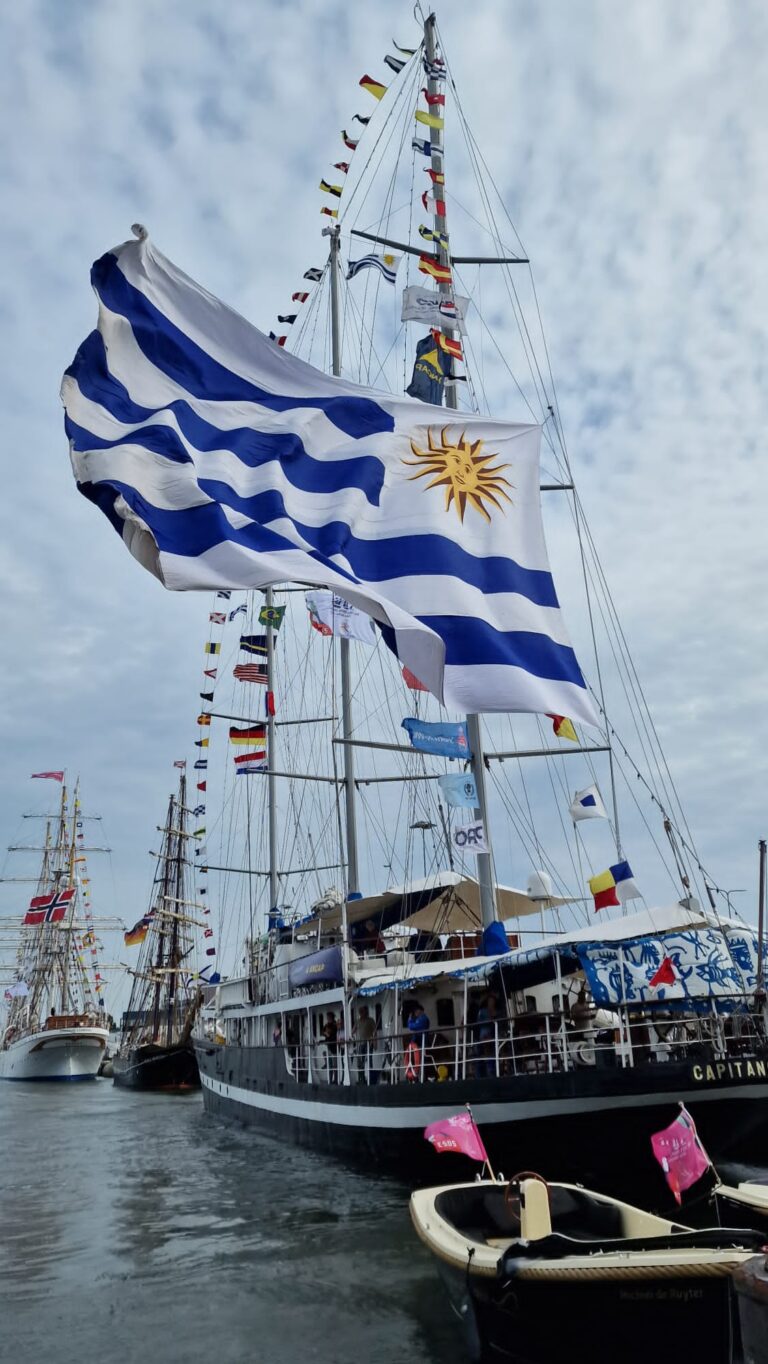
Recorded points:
(224, 462)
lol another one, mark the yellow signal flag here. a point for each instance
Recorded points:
(373, 87)
(431, 120)
(331, 189)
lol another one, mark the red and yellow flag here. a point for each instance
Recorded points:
(430, 265)
(373, 87)
(330, 212)
(563, 728)
(436, 177)
(448, 344)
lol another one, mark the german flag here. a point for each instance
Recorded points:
(373, 87)
(447, 344)
(430, 265)
(138, 933)
(252, 734)
(331, 189)
(563, 728)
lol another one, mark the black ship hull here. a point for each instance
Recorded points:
(169, 1070)
(593, 1126)
(629, 1320)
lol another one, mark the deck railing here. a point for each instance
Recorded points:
(529, 1045)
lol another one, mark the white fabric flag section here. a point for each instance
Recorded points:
(470, 838)
(341, 617)
(225, 462)
(434, 310)
(588, 804)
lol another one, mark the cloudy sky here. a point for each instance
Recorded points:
(628, 143)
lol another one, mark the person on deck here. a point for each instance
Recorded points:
(365, 1036)
(486, 1033)
(331, 1035)
(418, 1027)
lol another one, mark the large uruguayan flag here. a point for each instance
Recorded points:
(224, 462)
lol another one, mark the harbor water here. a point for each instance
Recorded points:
(135, 1229)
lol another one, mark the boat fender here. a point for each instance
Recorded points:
(412, 1059)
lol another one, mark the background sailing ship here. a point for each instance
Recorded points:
(223, 462)
(55, 1025)
(155, 1049)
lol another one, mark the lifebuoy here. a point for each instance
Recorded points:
(412, 1060)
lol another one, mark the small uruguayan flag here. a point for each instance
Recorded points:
(588, 804)
(386, 265)
(224, 462)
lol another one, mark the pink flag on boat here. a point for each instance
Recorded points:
(680, 1153)
(458, 1133)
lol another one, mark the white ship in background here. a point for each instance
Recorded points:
(55, 1026)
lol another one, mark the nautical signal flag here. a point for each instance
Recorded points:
(373, 87)
(218, 617)
(251, 672)
(430, 265)
(211, 648)
(206, 695)
(299, 297)
(432, 205)
(420, 145)
(201, 743)
(248, 769)
(587, 804)
(437, 177)
(430, 234)
(201, 764)
(347, 140)
(47, 776)
(271, 615)
(210, 672)
(314, 274)
(358, 118)
(281, 340)
(563, 728)
(448, 344)
(202, 786)
(225, 593)
(254, 757)
(330, 189)
(394, 64)
(614, 886)
(138, 933)
(254, 644)
(330, 213)
(431, 120)
(287, 318)
(269, 703)
(49, 909)
(342, 166)
(251, 734)
(204, 719)
(433, 100)
(181, 763)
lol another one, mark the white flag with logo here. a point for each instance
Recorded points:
(434, 310)
(340, 617)
(470, 838)
(588, 804)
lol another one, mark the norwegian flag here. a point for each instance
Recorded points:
(49, 909)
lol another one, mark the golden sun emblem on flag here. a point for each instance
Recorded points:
(467, 475)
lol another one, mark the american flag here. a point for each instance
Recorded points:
(250, 672)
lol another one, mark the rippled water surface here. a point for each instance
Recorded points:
(134, 1229)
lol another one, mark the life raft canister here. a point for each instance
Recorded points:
(412, 1060)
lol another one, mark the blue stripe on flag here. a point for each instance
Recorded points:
(189, 366)
(252, 448)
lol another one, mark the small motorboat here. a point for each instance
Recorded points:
(539, 1271)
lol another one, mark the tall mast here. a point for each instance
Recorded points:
(484, 860)
(173, 955)
(166, 888)
(274, 888)
(66, 933)
(353, 874)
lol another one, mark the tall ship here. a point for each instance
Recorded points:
(425, 808)
(155, 1050)
(55, 1024)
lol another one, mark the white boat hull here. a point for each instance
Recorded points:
(63, 1054)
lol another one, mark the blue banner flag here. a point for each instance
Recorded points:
(447, 740)
(460, 790)
(429, 371)
(225, 463)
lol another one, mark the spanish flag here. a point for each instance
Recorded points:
(448, 344)
(373, 87)
(431, 120)
(330, 189)
(430, 265)
(563, 728)
(250, 735)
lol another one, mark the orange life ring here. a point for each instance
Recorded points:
(412, 1061)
